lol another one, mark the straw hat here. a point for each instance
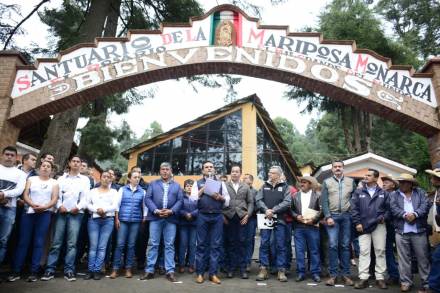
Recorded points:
(405, 177)
(311, 179)
(435, 172)
(391, 178)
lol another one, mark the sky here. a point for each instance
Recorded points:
(173, 102)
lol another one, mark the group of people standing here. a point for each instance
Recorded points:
(215, 229)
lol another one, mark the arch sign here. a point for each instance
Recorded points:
(227, 40)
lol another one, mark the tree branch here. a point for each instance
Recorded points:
(22, 21)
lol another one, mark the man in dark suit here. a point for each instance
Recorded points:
(236, 217)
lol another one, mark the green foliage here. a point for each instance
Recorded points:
(417, 23)
(154, 130)
(99, 139)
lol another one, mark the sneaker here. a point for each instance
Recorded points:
(14, 277)
(32, 278)
(262, 275)
(282, 276)
(47, 276)
(70, 276)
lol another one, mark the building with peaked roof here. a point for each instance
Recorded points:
(357, 166)
(241, 132)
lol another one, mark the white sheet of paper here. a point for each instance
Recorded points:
(263, 222)
(212, 186)
(310, 213)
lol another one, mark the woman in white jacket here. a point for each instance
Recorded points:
(102, 205)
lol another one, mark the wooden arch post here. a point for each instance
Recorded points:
(433, 66)
(9, 60)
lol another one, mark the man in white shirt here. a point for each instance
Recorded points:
(72, 201)
(12, 183)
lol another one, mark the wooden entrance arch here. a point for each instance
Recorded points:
(224, 40)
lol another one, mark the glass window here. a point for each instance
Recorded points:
(187, 153)
(234, 141)
(164, 148)
(218, 160)
(159, 159)
(195, 162)
(268, 154)
(232, 159)
(216, 125)
(145, 162)
(216, 141)
(197, 140)
(180, 145)
(179, 164)
(233, 121)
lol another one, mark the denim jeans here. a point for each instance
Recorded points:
(7, 219)
(307, 239)
(392, 268)
(209, 242)
(157, 229)
(289, 254)
(339, 234)
(434, 275)
(280, 243)
(69, 225)
(127, 235)
(100, 230)
(250, 242)
(235, 244)
(187, 245)
(36, 225)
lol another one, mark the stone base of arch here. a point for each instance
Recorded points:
(8, 62)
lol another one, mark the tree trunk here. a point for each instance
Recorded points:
(98, 105)
(355, 117)
(63, 125)
(368, 121)
(345, 127)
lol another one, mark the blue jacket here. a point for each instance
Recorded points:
(189, 206)
(154, 200)
(131, 207)
(368, 211)
(420, 205)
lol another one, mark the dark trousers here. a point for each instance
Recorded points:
(250, 242)
(34, 229)
(392, 268)
(209, 232)
(235, 244)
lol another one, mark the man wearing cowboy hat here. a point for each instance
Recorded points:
(389, 184)
(434, 274)
(409, 207)
(368, 213)
(306, 212)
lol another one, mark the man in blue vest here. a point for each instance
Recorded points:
(210, 223)
(164, 200)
